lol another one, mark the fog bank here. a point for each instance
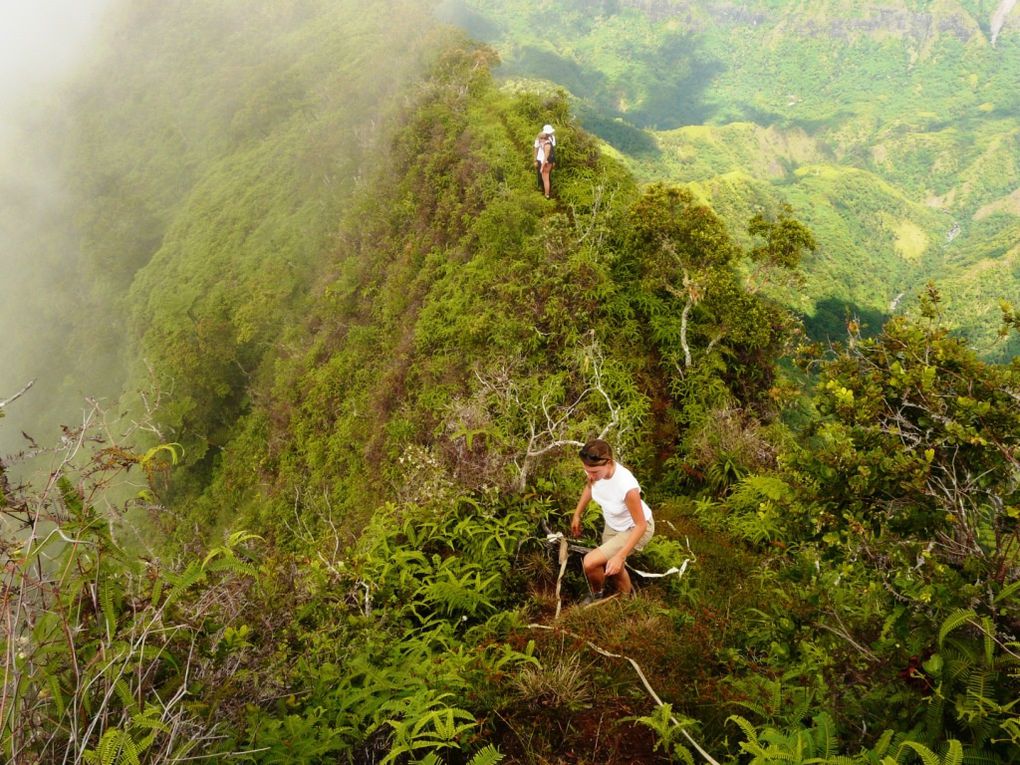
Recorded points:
(42, 45)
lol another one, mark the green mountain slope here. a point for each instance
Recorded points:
(146, 156)
(912, 95)
(377, 348)
(358, 337)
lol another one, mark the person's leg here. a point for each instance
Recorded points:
(538, 175)
(612, 543)
(595, 569)
(622, 582)
(595, 561)
(546, 184)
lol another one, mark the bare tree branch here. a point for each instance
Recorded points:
(17, 395)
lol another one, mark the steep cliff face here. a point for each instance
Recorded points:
(205, 155)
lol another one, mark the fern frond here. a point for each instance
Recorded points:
(490, 755)
(56, 694)
(157, 589)
(173, 450)
(750, 733)
(240, 537)
(1007, 592)
(115, 748)
(184, 581)
(980, 757)
(106, 605)
(932, 717)
(454, 597)
(234, 566)
(988, 628)
(960, 658)
(755, 708)
(954, 753)
(977, 690)
(123, 692)
(928, 757)
(824, 735)
(882, 745)
(953, 621)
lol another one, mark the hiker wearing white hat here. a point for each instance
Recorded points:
(545, 157)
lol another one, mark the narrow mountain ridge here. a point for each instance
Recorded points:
(363, 365)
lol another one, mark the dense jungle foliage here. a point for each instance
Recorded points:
(359, 353)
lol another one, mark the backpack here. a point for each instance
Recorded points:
(548, 149)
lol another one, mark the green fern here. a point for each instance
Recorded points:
(954, 753)
(124, 694)
(668, 733)
(226, 557)
(115, 748)
(817, 744)
(428, 724)
(749, 731)
(928, 757)
(954, 621)
(824, 736)
(988, 628)
(1007, 592)
(56, 694)
(107, 608)
(881, 746)
(184, 581)
(149, 721)
(970, 682)
(234, 565)
(173, 450)
(487, 756)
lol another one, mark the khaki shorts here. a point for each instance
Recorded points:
(613, 540)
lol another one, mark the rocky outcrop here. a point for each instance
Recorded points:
(999, 18)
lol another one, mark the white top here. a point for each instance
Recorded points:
(610, 493)
(540, 150)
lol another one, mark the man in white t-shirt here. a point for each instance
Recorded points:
(628, 519)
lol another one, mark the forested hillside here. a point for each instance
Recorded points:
(358, 351)
(891, 128)
(185, 121)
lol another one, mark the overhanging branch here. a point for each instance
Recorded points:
(17, 395)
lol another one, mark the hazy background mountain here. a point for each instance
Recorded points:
(892, 128)
(123, 130)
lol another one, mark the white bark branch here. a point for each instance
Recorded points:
(17, 395)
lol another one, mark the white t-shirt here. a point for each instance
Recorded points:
(610, 493)
(540, 150)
